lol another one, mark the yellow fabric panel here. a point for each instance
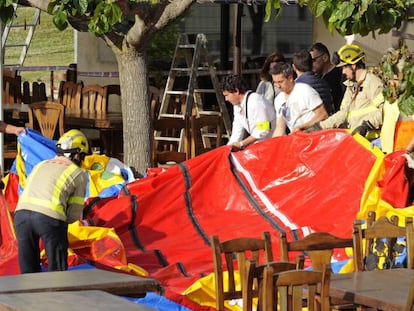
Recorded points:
(391, 115)
(203, 291)
(89, 237)
(99, 179)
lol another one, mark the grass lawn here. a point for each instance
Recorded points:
(49, 46)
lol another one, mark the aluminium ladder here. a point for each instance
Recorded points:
(29, 28)
(184, 97)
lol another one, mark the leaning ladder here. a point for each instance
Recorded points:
(182, 96)
(13, 25)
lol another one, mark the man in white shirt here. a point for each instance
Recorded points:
(298, 106)
(252, 113)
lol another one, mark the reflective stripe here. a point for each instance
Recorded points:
(264, 126)
(376, 102)
(54, 202)
(361, 111)
(76, 200)
(43, 203)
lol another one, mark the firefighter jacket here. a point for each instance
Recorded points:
(363, 101)
(55, 188)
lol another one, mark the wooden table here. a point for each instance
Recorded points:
(91, 300)
(72, 280)
(93, 119)
(108, 123)
(381, 289)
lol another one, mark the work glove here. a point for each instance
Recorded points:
(315, 127)
(363, 128)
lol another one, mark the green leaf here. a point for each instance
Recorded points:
(82, 6)
(406, 105)
(60, 19)
(345, 10)
(321, 7)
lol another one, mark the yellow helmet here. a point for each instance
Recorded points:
(71, 142)
(350, 54)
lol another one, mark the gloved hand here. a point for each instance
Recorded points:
(315, 127)
(363, 128)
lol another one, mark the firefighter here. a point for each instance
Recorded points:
(362, 106)
(53, 197)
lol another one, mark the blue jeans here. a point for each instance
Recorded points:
(30, 228)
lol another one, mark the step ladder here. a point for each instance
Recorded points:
(14, 26)
(192, 87)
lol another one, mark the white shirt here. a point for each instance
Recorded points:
(259, 111)
(297, 108)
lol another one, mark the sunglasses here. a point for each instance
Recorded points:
(316, 57)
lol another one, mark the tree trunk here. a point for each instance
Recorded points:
(135, 108)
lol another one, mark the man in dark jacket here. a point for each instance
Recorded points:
(302, 64)
(323, 66)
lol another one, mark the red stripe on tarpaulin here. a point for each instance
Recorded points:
(316, 180)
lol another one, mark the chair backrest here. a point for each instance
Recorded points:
(49, 116)
(378, 243)
(70, 94)
(203, 128)
(253, 281)
(287, 289)
(94, 98)
(113, 96)
(318, 246)
(12, 90)
(36, 94)
(168, 149)
(235, 253)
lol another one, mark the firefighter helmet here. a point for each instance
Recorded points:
(350, 54)
(72, 142)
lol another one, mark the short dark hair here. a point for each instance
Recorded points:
(321, 48)
(302, 60)
(282, 68)
(232, 83)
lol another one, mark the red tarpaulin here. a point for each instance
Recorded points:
(298, 183)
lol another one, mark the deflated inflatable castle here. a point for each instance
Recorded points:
(160, 225)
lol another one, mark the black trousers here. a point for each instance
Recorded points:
(30, 228)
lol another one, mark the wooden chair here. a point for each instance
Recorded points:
(253, 281)
(169, 150)
(48, 116)
(113, 95)
(94, 98)
(236, 252)
(70, 94)
(36, 94)
(319, 248)
(204, 129)
(288, 289)
(376, 246)
(12, 90)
